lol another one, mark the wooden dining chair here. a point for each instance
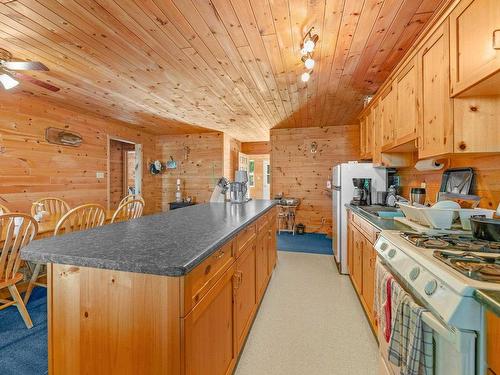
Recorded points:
(4, 209)
(128, 210)
(16, 231)
(54, 206)
(129, 198)
(83, 217)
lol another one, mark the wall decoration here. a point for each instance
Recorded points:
(63, 137)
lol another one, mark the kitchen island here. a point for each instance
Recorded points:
(172, 293)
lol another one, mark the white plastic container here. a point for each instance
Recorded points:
(437, 218)
(466, 213)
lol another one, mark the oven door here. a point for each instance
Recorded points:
(454, 350)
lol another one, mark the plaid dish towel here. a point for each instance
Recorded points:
(411, 346)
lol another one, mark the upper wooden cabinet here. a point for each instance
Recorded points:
(475, 47)
(407, 104)
(362, 137)
(436, 111)
(388, 115)
(369, 135)
(376, 133)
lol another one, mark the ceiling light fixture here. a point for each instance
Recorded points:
(309, 63)
(309, 42)
(7, 81)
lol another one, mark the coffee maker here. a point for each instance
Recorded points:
(239, 187)
(362, 195)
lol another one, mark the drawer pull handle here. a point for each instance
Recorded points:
(219, 255)
(494, 39)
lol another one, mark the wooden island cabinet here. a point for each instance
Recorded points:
(104, 321)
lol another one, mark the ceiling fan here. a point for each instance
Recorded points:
(9, 75)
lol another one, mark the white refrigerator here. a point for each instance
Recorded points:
(343, 190)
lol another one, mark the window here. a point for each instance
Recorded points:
(251, 176)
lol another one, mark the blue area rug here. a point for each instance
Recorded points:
(314, 243)
(24, 351)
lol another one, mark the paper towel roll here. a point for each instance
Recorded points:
(428, 165)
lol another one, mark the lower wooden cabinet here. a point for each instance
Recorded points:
(209, 344)
(244, 293)
(261, 262)
(361, 258)
(272, 248)
(493, 342)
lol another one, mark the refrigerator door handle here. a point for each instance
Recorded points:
(336, 188)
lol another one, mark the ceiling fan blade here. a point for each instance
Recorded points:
(33, 80)
(24, 65)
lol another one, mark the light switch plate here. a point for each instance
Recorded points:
(99, 175)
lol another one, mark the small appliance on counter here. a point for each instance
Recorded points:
(417, 195)
(362, 191)
(239, 187)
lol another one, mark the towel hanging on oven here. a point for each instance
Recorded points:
(411, 346)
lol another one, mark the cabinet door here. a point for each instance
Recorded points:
(493, 342)
(369, 256)
(358, 261)
(272, 250)
(245, 296)
(377, 134)
(369, 135)
(362, 137)
(350, 249)
(388, 111)
(209, 345)
(406, 104)
(475, 44)
(436, 132)
(261, 265)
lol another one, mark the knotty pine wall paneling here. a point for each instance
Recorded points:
(256, 148)
(298, 173)
(232, 148)
(31, 168)
(487, 178)
(199, 168)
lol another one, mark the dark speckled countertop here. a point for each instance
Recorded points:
(171, 243)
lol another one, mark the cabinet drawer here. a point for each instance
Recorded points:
(198, 282)
(368, 230)
(245, 237)
(262, 223)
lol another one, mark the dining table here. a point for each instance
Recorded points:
(47, 226)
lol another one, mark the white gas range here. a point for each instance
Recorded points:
(446, 291)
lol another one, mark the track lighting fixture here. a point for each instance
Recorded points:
(307, 46)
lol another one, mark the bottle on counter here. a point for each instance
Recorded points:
(178, 193)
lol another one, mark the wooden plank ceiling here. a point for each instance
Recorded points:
(228, 65)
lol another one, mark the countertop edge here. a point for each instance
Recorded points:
(145, 268)
(489, 299)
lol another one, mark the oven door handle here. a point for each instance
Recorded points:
(462, 340)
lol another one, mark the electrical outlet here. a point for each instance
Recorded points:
(99, 175)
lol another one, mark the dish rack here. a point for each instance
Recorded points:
(443, 218)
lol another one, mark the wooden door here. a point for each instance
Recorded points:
(272, 249)
(475, 46)
(209, 342)
(245, 296)
(261, 264)
(388, 111)
(436, 131)
(407, 104)
(369, 257)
